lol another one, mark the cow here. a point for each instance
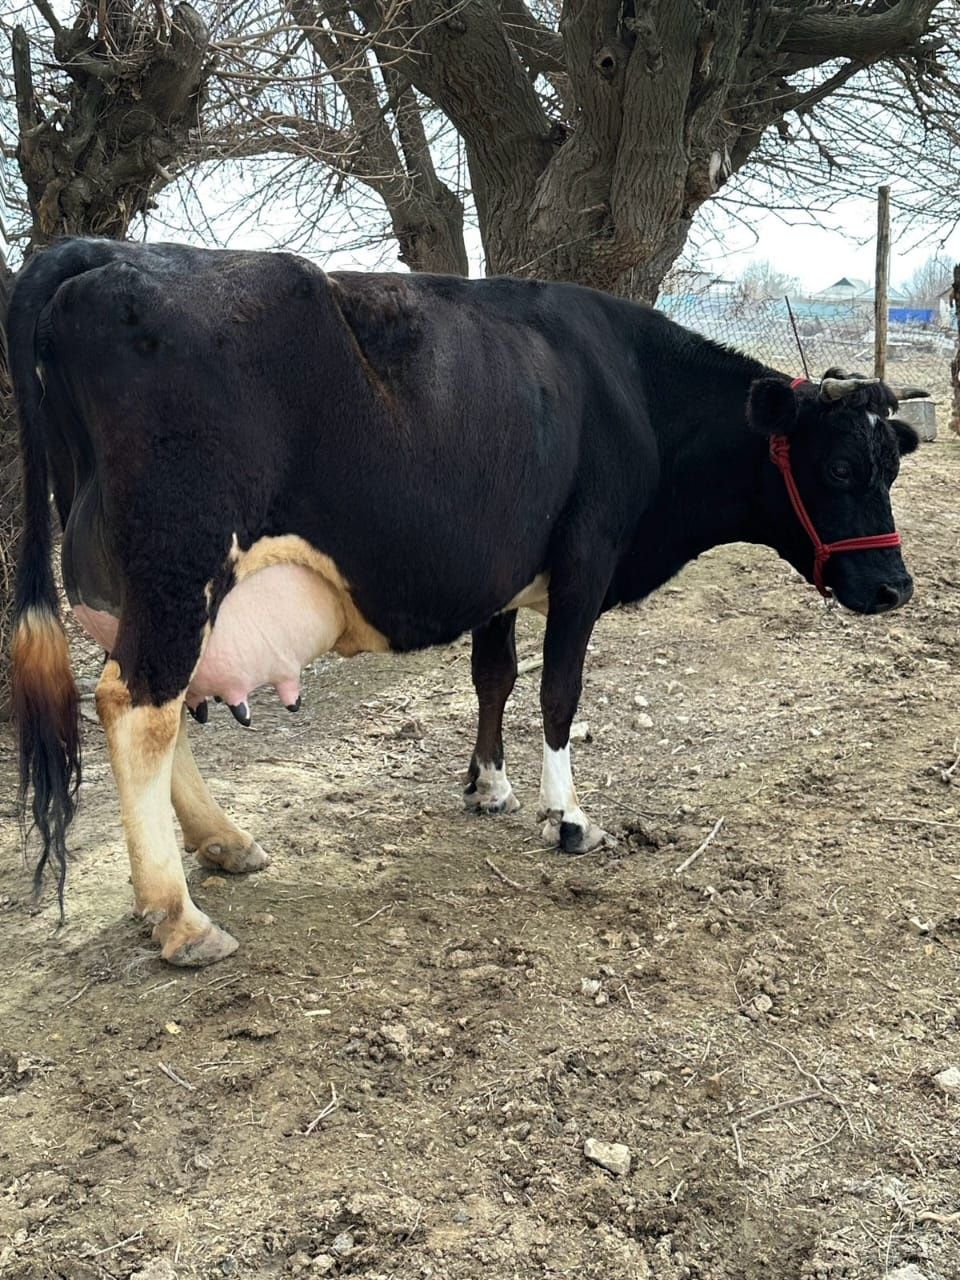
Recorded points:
(255, 462)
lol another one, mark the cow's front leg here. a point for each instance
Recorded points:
(142, 741)
(206, 828)
(564, 648)
(494, 668)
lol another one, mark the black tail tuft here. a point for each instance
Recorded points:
(45, 701)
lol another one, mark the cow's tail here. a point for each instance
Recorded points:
(45, 700)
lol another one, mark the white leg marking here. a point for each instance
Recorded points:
(491, 792)
(559, 806)
(557, 792)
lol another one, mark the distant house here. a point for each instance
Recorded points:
(855, 292)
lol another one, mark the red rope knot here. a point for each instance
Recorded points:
(821, 555)
(780, 452)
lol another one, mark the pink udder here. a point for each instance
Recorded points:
(268, 628)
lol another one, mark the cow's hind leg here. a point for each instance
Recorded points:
(206, 828)
(494, 668)
(142, 739)
(575, 599)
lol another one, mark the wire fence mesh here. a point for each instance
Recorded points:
(921, 342)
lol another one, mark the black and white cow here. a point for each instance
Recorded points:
(254, 462)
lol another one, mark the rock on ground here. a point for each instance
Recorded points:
(613, 1156)
(948, 1080)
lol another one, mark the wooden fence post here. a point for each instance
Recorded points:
(955, 363)
(881, 286)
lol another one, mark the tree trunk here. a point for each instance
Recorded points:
(130, 106)
(431, 237)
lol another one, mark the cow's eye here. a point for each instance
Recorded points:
(840, 469)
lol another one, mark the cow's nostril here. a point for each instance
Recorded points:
(887, 598)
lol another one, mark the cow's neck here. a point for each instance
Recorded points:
(710, 470)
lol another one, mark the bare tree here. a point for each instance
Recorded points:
(761, 280)
(930, 282)
(588, 137)
(120, 95)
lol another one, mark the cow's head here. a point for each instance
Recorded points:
(844, 454)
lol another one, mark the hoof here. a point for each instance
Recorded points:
(235, 858)
(208, 947)
(477, 801)
(574, 837)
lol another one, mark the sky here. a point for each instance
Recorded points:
(843, 244)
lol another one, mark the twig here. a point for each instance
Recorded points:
(941, 1219)
(210, 986)
(736, 1139)
(322, 1115)
(83, 990)
(171, 1074)
(416, 1224)
(947, 774)
(787, 1102)
(388, 907)
(529, 664)
(98, 1253)
(502, 875)
(921, 822)
(688, 862)
(817, 1083)
(818, 1146)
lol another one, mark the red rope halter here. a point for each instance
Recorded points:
(822, 551)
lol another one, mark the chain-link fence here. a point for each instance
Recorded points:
(920, 343)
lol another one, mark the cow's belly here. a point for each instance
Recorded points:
(268, 628)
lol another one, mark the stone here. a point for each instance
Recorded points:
(590, 986)
(612, 1156)
(948, 1080)
(397, 1038)
(910, 1271)
(343, 1244)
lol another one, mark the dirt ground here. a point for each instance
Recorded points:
(429, 1014)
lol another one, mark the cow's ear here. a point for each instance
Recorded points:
(907, 438)
(772, 407)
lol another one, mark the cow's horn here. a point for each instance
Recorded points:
(909, 393)
(837, 388)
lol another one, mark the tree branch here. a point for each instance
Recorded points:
(817, 35)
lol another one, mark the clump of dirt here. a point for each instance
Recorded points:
(430, 1017)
